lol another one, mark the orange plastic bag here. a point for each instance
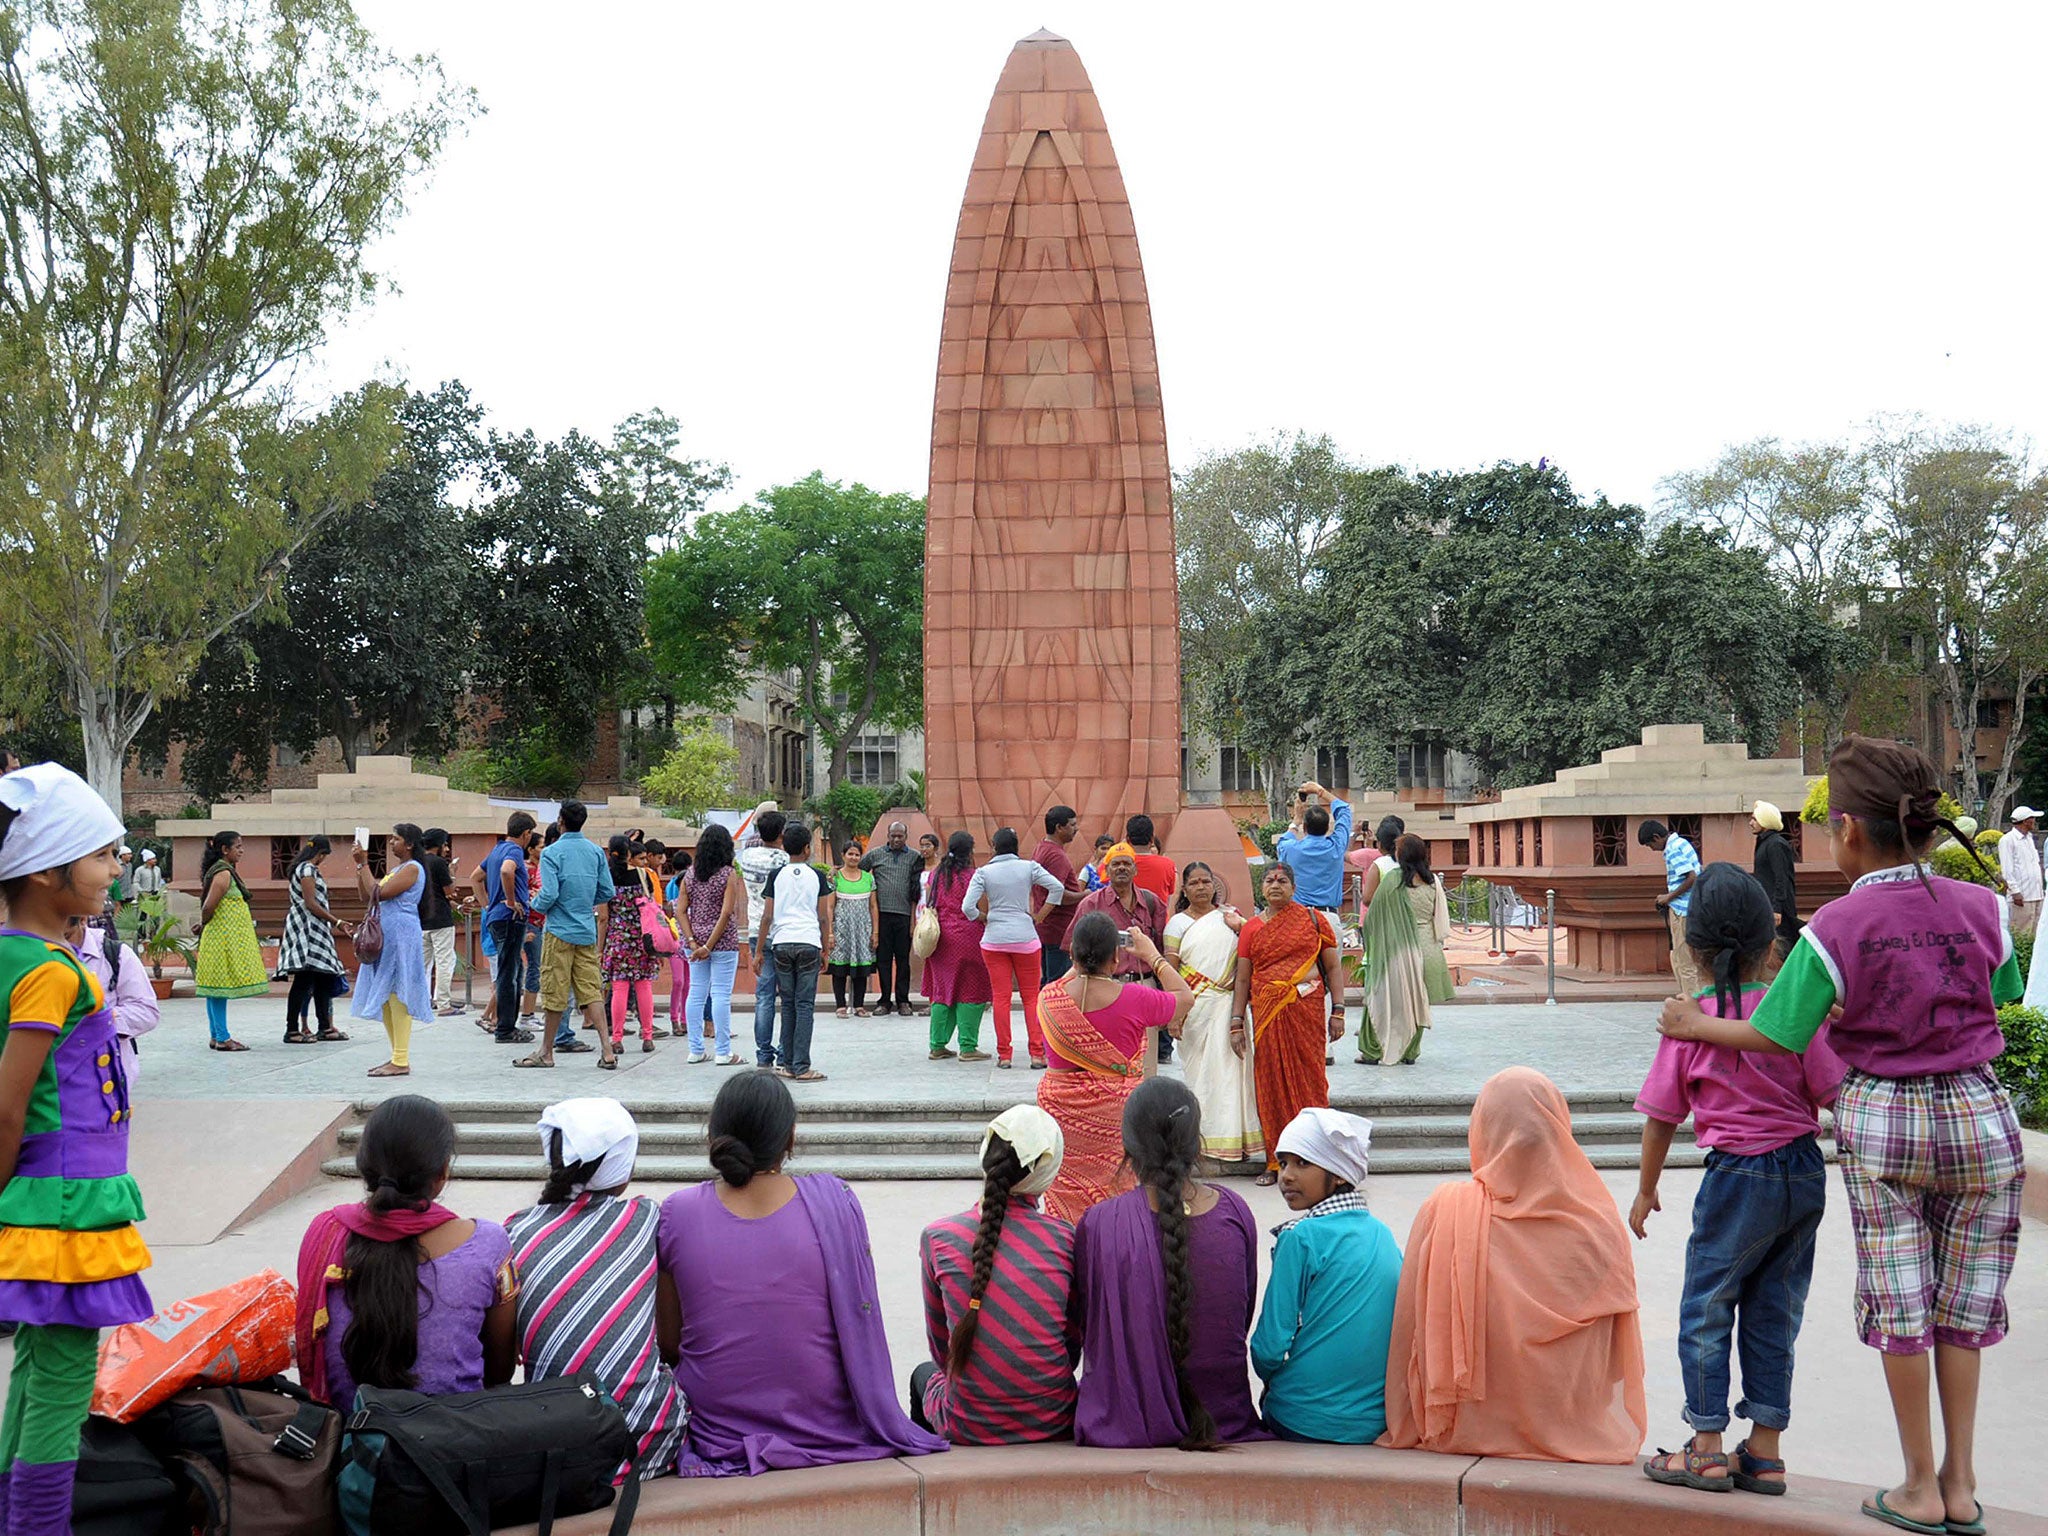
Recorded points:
(241, 1332)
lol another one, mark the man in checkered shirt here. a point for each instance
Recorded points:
(1681, 868)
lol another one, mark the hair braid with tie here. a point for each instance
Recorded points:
(1163, 1145)
(1001, 1172)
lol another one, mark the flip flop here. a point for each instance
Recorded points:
(388, 1070)
(1966, 1527)
(532, 1061)
(1876, 1508)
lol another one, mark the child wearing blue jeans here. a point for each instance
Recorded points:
(1759, 1206)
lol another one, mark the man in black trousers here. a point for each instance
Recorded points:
(896, 867)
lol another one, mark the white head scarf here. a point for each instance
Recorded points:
(1037, 1140)
(57, 819)
(1331, 1140)
(593, 1129)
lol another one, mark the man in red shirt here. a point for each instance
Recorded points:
(1061, 828)
(1156, 872)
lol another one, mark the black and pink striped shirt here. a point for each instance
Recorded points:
(1019, 1380)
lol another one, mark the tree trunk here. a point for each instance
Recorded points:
(2002, 786)
(108, 730)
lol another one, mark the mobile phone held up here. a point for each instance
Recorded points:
(363, 838)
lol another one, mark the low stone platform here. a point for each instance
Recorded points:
(1273, 1490)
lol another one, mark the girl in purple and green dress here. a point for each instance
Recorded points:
(70, 1257)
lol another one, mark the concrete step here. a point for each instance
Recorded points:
(662, 1168)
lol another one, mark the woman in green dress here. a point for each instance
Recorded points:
(230, 960)
(1405, 929)
(853, 931)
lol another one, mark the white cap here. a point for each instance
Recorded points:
(2024, 813)
(149, 855)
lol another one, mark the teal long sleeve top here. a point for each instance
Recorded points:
(1321, 1342)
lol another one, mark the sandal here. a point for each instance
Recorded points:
(331, 1033)
(1267, 1179)
(845, 1013)
(646, 1044)
(389, 1069)
(812, 1076)
(297, 1037)
(1973, 1527)
(225, 1045)
(609, 1063)
(1877, 1509)
(863, 1013)
(535, 1060)
(1750, 1471)
(1685, 1468)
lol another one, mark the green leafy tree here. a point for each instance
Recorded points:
(1806, 506)
(817, 578)
(369, 640)
(1250, 530)
(188, 192)
(700, 773)
(1963, 525)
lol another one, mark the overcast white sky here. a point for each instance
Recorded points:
(1619, 235)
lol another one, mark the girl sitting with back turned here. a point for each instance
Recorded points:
(1930, 1148)
(996, 1283)
(585, 1256)
(396, 1290)
(1321, 1343)
(768, 1309)
(1164, 1277)
(1759, 1204)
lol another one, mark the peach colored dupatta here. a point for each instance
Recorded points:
(1515, 1327)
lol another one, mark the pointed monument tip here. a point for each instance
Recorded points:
(1043, 35)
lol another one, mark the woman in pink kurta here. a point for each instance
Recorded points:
(955, 977)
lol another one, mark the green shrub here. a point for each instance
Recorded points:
(1953, 859)
(2023, 951)
(1815, 811)
(1264, 835)
(695, 776)
(2024, 1066)
(850, 811)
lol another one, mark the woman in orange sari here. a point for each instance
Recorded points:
(1098, 1037)
(1515, 1329)
(1290, 974)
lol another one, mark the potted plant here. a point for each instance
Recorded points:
(159, 937)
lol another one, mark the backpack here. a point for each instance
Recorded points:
(465, 1463)
(251, 1460)
(122, 1489)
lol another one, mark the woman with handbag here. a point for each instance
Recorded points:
(392, 984)
(395, 1290)
(955, 976)
(629, 961)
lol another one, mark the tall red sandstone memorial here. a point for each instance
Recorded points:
(1052, 624)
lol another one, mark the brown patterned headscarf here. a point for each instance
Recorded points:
(1891, 781)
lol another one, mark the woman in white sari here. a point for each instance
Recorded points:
(1201, 938)
(1405, 929)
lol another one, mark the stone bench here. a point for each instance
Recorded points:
(1271, 1490)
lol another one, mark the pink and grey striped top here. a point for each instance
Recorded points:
(1019, 1380)
(587, 1274)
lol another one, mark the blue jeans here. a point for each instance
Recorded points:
(765, 1054)
(796, 978)
(1753, 1226)
(1053, 964)
(711, 987)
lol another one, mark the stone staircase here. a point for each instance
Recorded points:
(881, 1139)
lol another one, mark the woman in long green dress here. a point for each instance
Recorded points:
(1405, 930)
(230, 962)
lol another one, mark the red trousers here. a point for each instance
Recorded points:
(1002, 966)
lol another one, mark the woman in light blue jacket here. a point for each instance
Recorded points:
(1000, 897)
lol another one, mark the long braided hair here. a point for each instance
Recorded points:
(1163, 1147)
(1000, 1173)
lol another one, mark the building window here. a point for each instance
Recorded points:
(283, 854)
(1539, 843)
(872, 759)
(1990, 714)
(1240, 772)
(1687, 827)
(1518, 845)
(1610, 842)
(1461, 852)
(1495, 860)
(1333, 767)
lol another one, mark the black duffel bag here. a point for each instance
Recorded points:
(122, 1489)
(464, 1464)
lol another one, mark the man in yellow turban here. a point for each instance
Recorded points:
(1775, 872)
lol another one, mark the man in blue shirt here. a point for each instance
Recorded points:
(575, 880)
(504, 872)
(1314, 847)
(1681, 869)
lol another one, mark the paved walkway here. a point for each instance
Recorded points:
(1602, 1047)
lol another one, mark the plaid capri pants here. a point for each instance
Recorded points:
(1933, 1168)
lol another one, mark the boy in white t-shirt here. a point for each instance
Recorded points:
(757, 862)
(796, 930)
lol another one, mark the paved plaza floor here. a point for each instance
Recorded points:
(211, 1109)
(1596, 1047)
